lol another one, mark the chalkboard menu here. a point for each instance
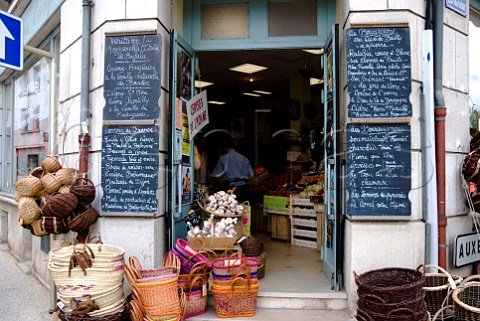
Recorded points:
(378, 169)
(132, 77)
(129, 168)
(378, 72)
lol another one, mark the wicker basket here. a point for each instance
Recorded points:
(251, 246)
(28, 186)
(471, 166)
(84, 189)
(28, 210)
(83, 220)
(37, 172)
(54, 225)
(237, 300)
(51, 164)
(391, 284)
(438, 288)
(50, 183)
(60, 205)
(466, 299)
(42, 195)
(66, 175)
(37, 228)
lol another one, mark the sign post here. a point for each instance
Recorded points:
(11, 41)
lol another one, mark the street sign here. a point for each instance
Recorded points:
(11, 41)
(467, 249)
(459, 6)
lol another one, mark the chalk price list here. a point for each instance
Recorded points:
(378, 72)
(129, 168)
(378, 169)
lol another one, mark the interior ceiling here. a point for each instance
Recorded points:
(229, 85)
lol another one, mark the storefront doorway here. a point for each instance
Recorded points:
(276, 118)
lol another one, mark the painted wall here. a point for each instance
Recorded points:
(402, 243)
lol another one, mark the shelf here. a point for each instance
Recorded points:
(304, 222)
(312, 234)
(275, 211)
(306, 212)
(304, 243)
(301, 201)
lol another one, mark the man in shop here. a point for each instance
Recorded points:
(233, 169)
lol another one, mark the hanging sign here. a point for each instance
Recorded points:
(197, 111)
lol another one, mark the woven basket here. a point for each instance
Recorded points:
(251, 246)
(64, 190)
(50, 183)
(235, 300)
(399, 314)
(66, 175)
(28, 210)
(28, 186)
(54, 225)
(84, 189)
(196, 297)
(83, 220)
(466, 299)
(391, 284)
(471, 166)
(37, 228)
(228, 267)
(188, 255)
(37, 172)
(60, 205)
(160, 298)
(373, 304)
(438, 288)
(42, 195)
(51, 164)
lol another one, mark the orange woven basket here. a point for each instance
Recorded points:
(236, 300)
(160, 298)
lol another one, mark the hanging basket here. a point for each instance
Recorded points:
(84, 189)
(471, 166)
(28, 186)
(28, 210)
(50, 183)
(59, 205)
(37, 228)
(83, 220)
(54, 225)
(66, 175)
(37, 172)
(51, 164)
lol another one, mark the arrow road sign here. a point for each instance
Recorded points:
(11, 41)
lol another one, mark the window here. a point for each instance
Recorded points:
(474, 70)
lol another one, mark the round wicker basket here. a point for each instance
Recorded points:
(37, 172)
(84, 190)
(28, 186)
(28, 210)
(51, 164)
(50, 183)
(60, 205)
(66, 175)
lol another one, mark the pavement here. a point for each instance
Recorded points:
(24, 298)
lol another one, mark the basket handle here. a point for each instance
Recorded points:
(358, 280)
(199, 268)
(373, 296)
(194, 280)
(172, 261)
(469, 278)
(237, 278)
(440, 312)
(201, 241)
(89, 182)
(401, 310)
(449, 277)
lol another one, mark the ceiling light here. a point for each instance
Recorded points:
(202, 84)
(261, 92)
(315, 81)
(314, 51)
(248, 68)
(251, 94)
(215, 102)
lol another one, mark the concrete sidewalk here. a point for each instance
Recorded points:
(22, 296)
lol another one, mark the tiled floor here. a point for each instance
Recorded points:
(291, 269)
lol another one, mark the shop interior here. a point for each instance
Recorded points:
(273, 110)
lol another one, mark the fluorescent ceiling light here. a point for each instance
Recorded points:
(248, 68)
(202, 84)
(215, 102)
(315, 81)
(251, 94)
(261, 92)
(314, 51)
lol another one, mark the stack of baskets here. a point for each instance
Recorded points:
(194, 285)
(155, 294)
(52, 201)
(252, 247)
(188, 256)
(394, 294)
(89, 281)
(235, 286)
(438, 291)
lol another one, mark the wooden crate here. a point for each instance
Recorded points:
(280, 227)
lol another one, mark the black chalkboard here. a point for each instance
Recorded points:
(129, 168)
(132, 77)
(378, 169)
(378, 72)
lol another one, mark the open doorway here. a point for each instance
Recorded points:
(275, 116)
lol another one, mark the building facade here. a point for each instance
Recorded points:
(42, 114)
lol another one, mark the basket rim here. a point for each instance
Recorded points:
(460, 302)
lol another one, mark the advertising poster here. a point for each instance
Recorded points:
(197, 111)
(185, 136)
(186, 183)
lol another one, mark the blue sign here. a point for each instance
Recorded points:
(11, 41)
(459, 6)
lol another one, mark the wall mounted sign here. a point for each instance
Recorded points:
(378, 169)
(467, 249)
(459, 6)
(132, 77)
(378, 72)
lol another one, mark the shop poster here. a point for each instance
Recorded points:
(186, 183)
(185, 136)
(197, 111)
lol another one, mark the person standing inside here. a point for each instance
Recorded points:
(201, 162)
(233, 169)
